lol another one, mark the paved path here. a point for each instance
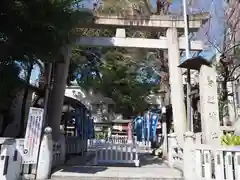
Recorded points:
(151, 169)
(103, 173)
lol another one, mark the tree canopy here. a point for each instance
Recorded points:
(34, 31)
(125, 75)
(120, 79)
(37, 29)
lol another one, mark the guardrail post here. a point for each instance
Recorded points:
(45, 155)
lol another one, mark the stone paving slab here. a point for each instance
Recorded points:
(152, 168)
(100, 172)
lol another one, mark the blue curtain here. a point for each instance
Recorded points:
(154, 122)
(150, 126)
(138, 126)
(147, 125)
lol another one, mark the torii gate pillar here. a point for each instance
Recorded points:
(176, 83)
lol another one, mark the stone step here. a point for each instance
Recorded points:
(114, 178)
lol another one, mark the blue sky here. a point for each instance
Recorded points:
(215, 28)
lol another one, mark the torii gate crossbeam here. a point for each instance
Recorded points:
(135, 42)
(153, 22)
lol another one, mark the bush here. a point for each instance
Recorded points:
(230, 140)
(100, 135)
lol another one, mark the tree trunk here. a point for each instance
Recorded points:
(57, 94)
(224, 85)
(24, 100)
(47, 89)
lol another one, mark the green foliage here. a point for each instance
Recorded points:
(37, 29)
(84, 61)
(100, 135)
(123, 7)
(34, 31)
(119, 80)
(230, 140)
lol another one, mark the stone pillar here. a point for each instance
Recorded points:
(176, 84)
(44, 166)
(188, 157)
(120, 33)
(209, 106)
(57, 94)
(198, 138)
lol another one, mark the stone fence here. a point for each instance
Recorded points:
(201, 161)
(51, 155)
(196, 160)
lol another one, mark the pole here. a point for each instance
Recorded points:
(189, 117)
(164, 129)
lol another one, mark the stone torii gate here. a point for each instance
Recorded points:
(170, 24)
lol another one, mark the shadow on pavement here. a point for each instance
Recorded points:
(84, 169)
(148, 159)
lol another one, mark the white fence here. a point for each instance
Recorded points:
(204, 162)
(217, 163)
(115, 139)
(11, 167)
(94, 143)
(196, 160)
(121, 139)
(175, 152)
(52, 154)
(115, 150)
(117, 153)
(10, 160)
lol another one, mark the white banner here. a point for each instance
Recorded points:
(33, 136)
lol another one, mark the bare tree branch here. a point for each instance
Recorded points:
(234, 46)
(232, 72)
(234, 79)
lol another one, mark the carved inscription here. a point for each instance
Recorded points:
(211, 99)
(210, 81)
(209, 105)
